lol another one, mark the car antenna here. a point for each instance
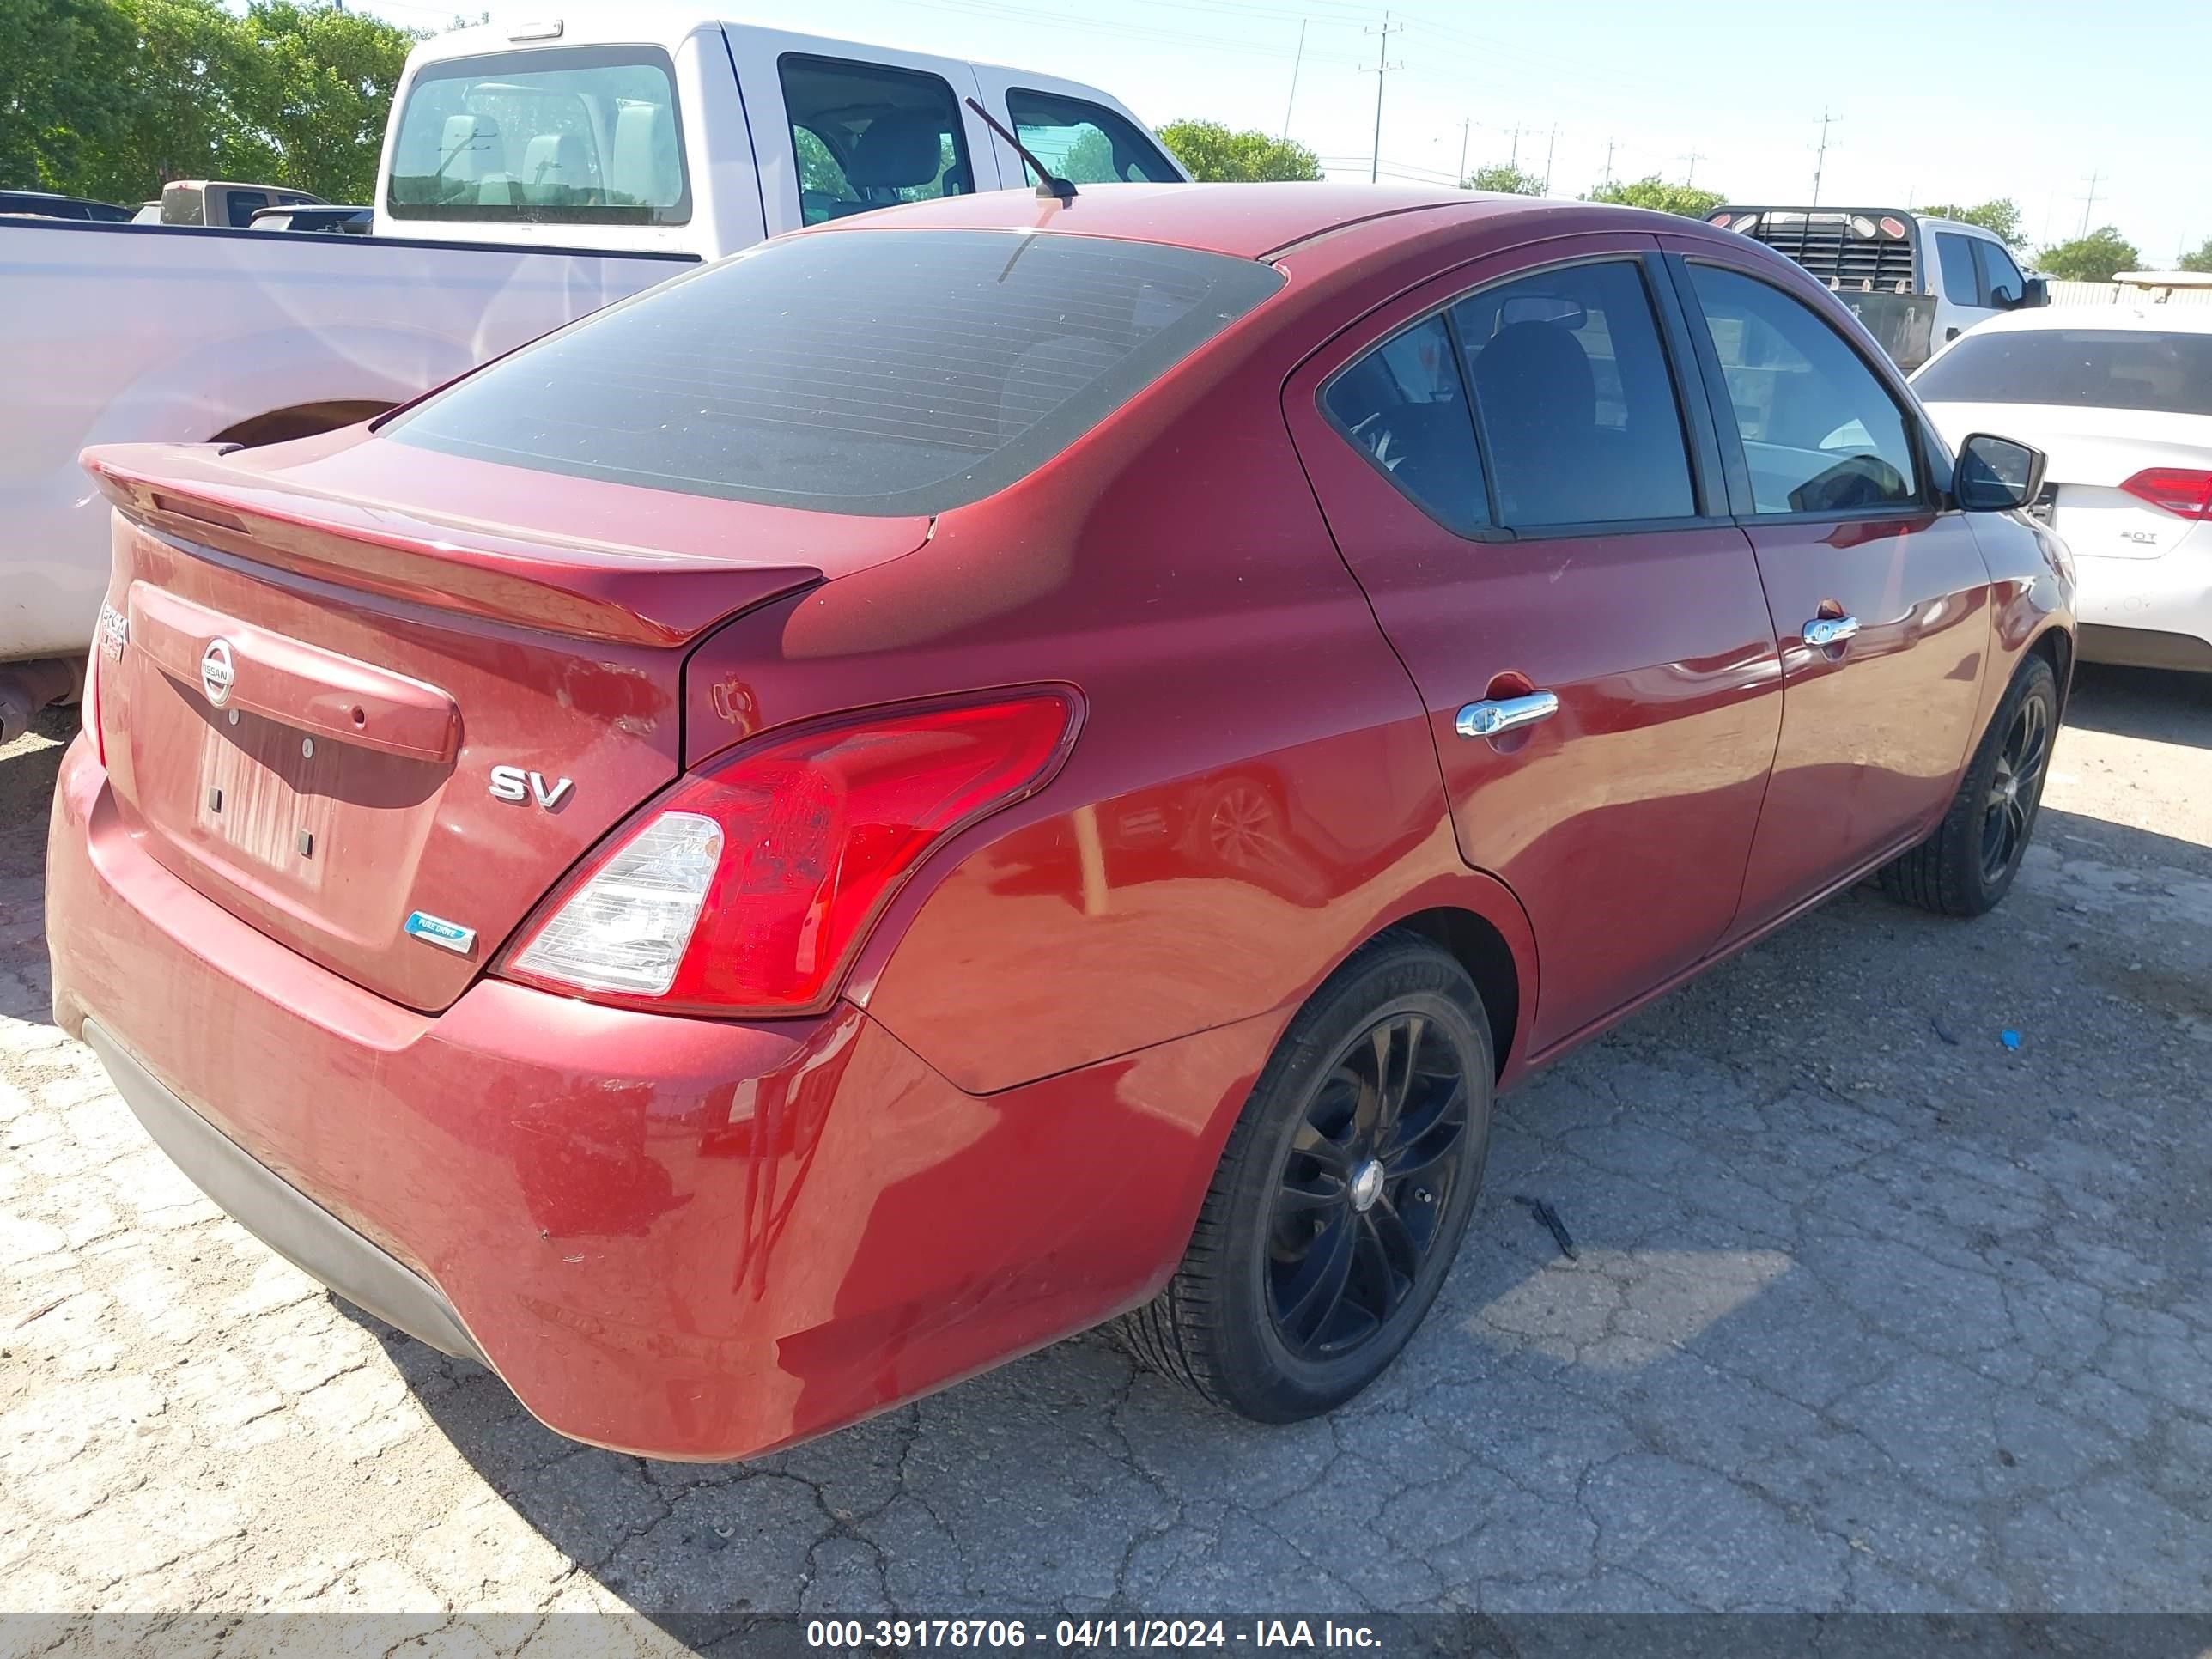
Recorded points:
(1050, 186)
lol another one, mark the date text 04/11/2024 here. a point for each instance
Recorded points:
(893, 1635)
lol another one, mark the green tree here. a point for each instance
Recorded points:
(1657, 193)
(176, 84)
(312, 86)
(58, 100)
(2002, 215)
(2096, 258)
(1212, 152)
(115, 98)
(2200, 260)
(1505, 178)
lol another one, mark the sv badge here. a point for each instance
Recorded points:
(513, 785)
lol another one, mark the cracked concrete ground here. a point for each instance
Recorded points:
(1869, 1312)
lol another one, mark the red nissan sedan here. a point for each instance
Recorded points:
(1003, 765)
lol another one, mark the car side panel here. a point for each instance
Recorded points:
(1622, 822)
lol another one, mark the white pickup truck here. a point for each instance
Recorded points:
(1916, 283)
(528, 176)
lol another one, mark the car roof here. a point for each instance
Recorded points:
(2188, 318)
(1247, 220)
(666, 24)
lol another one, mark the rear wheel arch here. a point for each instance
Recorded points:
(1479, 946)
(2055, 646)
(277, 426)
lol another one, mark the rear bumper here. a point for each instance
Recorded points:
(280, 1216)
(2151, 613)
(679, 1238)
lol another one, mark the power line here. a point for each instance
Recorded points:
(1383, 67)
(2089, 202)
(1295, 61)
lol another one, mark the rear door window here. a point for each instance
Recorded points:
(1820, 433)
(1574, 398)
(1083, 143)
(889, 373)
(574, 136)
(1405, 405)
(869, 136)
(1962, 284)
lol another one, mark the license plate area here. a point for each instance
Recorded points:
(306, 825)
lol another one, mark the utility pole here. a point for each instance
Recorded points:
(1383, 67)
(1295, 63)
(1550, 150)
(1692, 158)
(1465, 121)
(1513, 161)
(1820, 159)
(1609, 147)
(2089, 202)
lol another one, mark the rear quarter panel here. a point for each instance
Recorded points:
(1253, 792)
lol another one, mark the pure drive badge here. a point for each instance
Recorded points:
(446, 935)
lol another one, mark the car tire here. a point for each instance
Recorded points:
(1967, 865)
(1338, 1206)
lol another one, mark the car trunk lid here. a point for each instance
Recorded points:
(380, 734)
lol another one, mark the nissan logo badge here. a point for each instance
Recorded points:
(215, 672)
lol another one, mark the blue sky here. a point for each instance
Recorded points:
(2025, 99)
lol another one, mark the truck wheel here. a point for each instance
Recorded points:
(1341, 1196)
(1968, 864)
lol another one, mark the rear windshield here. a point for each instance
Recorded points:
(2091, 368)
(871, 372)
(579, 136)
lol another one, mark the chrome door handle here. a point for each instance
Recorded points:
(1830, 630)
(1488, 720)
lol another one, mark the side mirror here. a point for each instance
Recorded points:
(2036, 292)
(1996, 475)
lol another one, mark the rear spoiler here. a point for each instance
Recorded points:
(588, 589)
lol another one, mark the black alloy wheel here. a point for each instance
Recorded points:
(1359, 1203)
(1341, 1196)
(2015, 787)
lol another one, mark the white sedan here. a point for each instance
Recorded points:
(2120, 398)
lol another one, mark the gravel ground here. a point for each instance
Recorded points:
(1868, 1312)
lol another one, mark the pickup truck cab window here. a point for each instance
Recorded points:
(1575, 398)
(869, 136)
(1085, 144)
(1820, 434)
(2002, 283)
(1955, 254)
(587, 135)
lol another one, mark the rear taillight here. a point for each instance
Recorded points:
(109, 636)
(746, 889)
(90, 705)
(2181, 490)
